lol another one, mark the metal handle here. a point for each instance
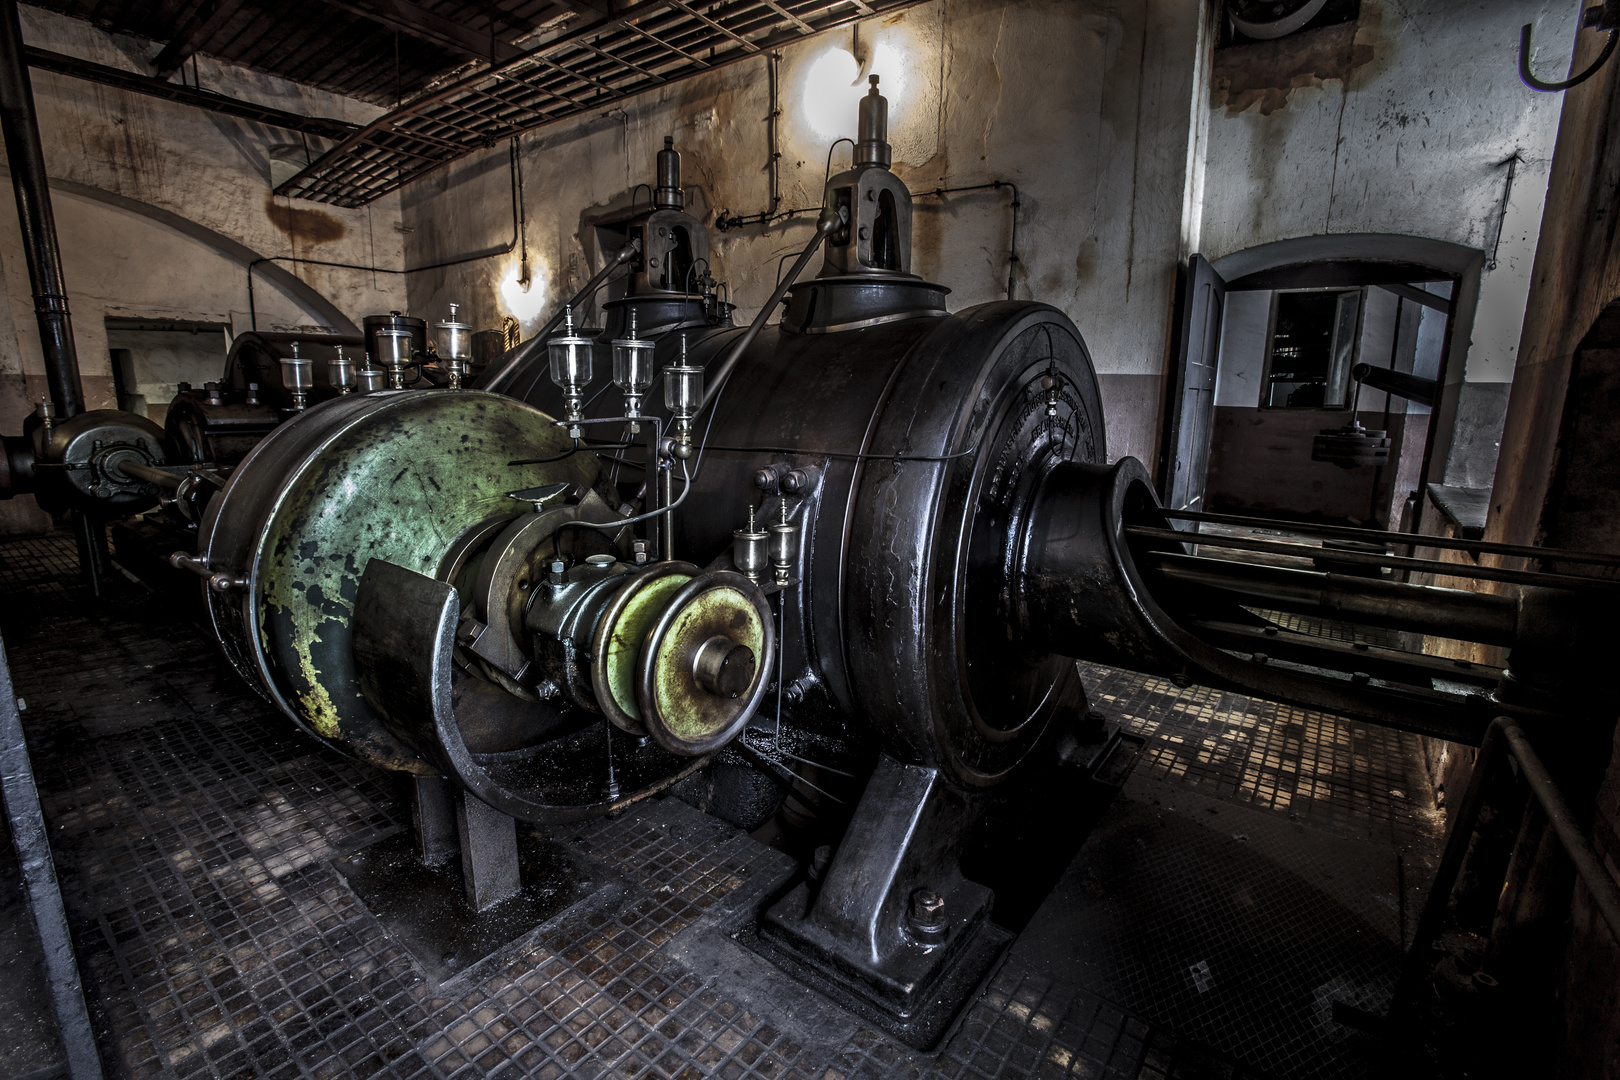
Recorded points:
(218, 580)
(1552, 87)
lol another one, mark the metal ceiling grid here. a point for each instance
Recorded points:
(646, 45)
(380, 51)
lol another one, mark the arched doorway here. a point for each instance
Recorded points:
(1269, 337)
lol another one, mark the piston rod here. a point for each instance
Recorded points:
(1423, 609)
(1378, 536)
(136, 471)
(1364, 558)
(830, 219)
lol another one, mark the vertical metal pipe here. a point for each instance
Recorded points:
(27, 160)
(666, 497)
(1409, 990)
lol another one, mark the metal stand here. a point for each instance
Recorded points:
(489, 857)
(448, 820)
(433, 816)
(895, 931)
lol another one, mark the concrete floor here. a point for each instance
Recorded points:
(1236, 911)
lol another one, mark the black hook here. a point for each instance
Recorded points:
(1604, 16)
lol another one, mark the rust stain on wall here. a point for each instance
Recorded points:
(1268, 72)
(306, 226)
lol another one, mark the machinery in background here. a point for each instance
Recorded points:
(109, 465)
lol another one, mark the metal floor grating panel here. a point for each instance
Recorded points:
(1341, 776)
(195, 832)
(1217, 923)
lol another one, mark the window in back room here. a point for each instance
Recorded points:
(152, 357)
(1311, 349)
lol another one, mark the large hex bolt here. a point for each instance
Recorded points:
(926, 920)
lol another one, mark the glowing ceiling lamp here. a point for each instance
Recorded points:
(835, 82)
(523, 293)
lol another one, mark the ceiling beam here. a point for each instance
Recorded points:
(193, 33)
(1417, 296)
(186, 95)
(419, 22)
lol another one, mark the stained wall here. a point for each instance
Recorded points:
(159, 209)
(1403, 122)
(1089, 107)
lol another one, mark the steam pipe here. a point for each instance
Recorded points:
(504, 368)
(34, 216)
(830, 219)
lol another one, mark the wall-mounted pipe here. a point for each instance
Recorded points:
(28, 181)
(1604, 17)
(518, 236)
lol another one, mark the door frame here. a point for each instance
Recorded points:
(1244, 269)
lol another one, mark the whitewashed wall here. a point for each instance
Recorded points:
(1403, 124)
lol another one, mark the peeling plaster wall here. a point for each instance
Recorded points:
(120, 162)
(1399, 123)
(1089, 107)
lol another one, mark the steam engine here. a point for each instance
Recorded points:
(869, 540)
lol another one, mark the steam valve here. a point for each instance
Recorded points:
(455, 349)
(632, 371)
(683, 396)
(748, 549)
(340, 373)
(394, 350)
(784, 546)
(298, 375)
(571, 369)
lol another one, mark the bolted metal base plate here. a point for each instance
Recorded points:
(929, 1009)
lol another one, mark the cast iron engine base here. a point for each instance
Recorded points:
(861, 938)
(930, 1007)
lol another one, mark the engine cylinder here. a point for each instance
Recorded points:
(377, 572)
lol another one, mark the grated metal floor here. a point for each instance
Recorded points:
(196, 835)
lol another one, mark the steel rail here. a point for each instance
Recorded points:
(1364, 558)
(1346, 532)
(30, 838)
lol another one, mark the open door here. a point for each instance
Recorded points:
(1192, 399)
